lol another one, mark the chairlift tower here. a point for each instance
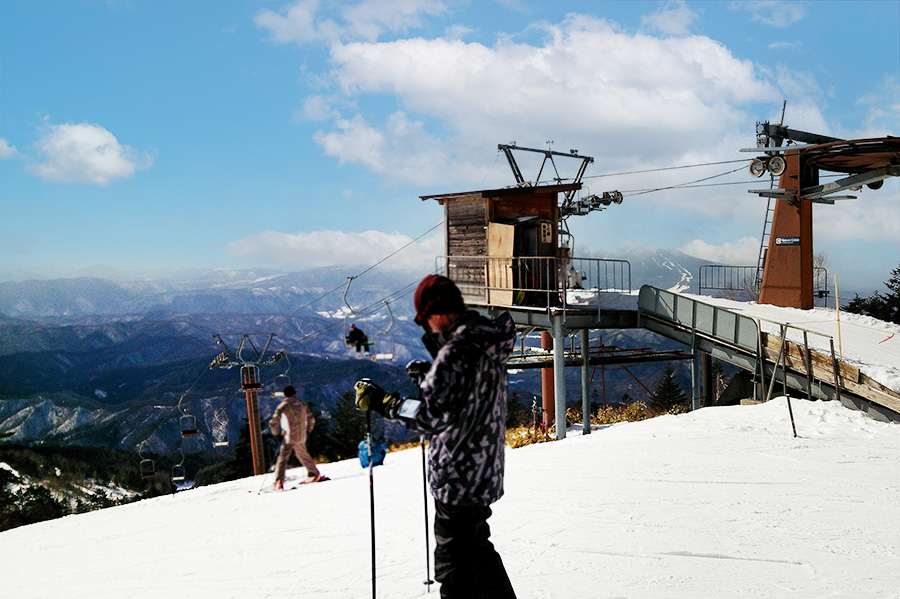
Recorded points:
(787, 263)
(250, 384)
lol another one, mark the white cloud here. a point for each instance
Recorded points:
(883, 107)
(367, 20)
(785, 45)
(672, 18)
(872, 216)
(664, 100)
(457, 32)
(654, 96)
(402, 150)
(7, 151)
(85, 153)
(316, 108)
(742, 251)
(775, 13)
(297, 23)
(334, 248)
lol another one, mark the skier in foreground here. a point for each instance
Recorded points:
(300, 421)
(463, 408)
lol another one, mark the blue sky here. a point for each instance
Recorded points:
(233, 134)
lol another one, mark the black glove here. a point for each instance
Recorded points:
(417, 369)
(370, 396)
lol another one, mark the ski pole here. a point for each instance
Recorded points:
(371, 492)
(272, 469)
(428, 582)
(791, 412)
(417, 371)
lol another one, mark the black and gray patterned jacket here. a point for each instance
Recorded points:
(464, 408)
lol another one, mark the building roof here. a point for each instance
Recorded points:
(505, 192)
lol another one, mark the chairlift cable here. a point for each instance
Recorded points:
(342, 285)
(398, 250)
(402, 292)
(634, 192)
(688, 183)
(667, 168)
(490, 170)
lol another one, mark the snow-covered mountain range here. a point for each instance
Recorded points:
(106, 361)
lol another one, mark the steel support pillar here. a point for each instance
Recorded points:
(696, 382)
(585, 383)
(547, 392)
(559, 374)
(251, 386)
(708, 382)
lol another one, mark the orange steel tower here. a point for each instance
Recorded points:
(787, 265)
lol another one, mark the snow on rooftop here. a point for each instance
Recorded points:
(721, 502)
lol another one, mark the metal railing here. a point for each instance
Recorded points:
(716, 322)
(535, 281)
(739, 280)
(732, 279)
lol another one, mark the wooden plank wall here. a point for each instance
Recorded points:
(467, 236)
(542, 205)
(823, 370)
(467, 221)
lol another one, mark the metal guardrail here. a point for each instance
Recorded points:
(534, 281)
(717, 277)
(717, 323)
(745, 279)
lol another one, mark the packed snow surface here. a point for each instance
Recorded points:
(721, 502)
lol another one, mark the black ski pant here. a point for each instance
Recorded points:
(465, 561)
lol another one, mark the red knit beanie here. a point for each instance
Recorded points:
(437, 294)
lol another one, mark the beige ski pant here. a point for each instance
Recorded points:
(284, 454)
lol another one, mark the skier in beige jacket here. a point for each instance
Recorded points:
(299, 422)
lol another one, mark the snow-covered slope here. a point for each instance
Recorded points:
(722, 502)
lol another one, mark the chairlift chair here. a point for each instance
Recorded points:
(220, 428)
(386, 344)
(354, 315)
(188, 425)
(147, 468)
(385, 341)
(281, 381)
(178, 470)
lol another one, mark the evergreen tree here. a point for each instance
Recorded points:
(516, 413)
(243, 454)
(717, 375)
(348, 428)
(668, 393)
(883, 307)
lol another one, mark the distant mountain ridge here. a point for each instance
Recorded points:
(204, 292)
(95, 361)
(261, 291)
